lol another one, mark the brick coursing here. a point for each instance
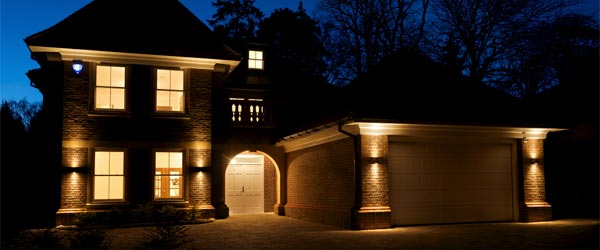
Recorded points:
(321, 183)
(73, 190)
(75, 157)
(533, 170)
(270, 185)
(138, 130)
(375, 181)
(533, 183)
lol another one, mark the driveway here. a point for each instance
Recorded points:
(269, 231)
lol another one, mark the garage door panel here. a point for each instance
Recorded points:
(450, 182)
(419, 199)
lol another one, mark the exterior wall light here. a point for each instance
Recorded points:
(77, 66)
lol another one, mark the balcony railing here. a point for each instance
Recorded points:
(248, 112)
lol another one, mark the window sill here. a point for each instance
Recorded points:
(104, 205)
(109, 113)
(170, 115)
(171, 202)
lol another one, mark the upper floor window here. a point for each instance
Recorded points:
(255, 59)
(168, 181)
(110, 87)
(109, 175)
(170, 95)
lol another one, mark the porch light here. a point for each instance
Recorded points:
(77, 66)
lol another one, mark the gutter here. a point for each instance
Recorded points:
(357, 170)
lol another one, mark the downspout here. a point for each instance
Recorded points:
(357, 170)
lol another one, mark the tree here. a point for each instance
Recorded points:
(23, 110)
(485, 35)
(359, 34)
(545, 57)
(236, 19)
(295, 41)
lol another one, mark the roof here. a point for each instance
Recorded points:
(163, 27)
(408, 87)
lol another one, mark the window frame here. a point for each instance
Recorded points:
(185, 91)
(183, 177)
(253, 59)
(93, 88)
(125, 175)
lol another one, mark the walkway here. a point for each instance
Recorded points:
(268, 231)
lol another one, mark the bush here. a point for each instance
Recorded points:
(168, 232)
(89, 234)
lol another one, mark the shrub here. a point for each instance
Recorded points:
(168, 232)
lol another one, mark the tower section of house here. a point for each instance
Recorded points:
(131, 86)
(247, 165)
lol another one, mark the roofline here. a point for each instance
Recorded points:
(135, 58)
(328, 132)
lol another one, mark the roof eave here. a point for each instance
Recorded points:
(68, 54)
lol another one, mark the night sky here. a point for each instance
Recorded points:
(22, 18)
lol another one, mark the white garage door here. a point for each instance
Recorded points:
(450, 182)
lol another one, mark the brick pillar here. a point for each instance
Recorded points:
(200, 182)
(534, 206)
(374, 211)
(73, 186)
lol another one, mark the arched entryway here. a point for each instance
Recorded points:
(251, 180)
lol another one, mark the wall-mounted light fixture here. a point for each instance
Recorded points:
(375, 160)
(77, 66)
(80, 169)
(532, 161)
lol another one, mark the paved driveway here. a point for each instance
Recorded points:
(268, 231)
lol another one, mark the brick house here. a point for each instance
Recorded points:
(158, 111)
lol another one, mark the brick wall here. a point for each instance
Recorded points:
(374, 212)
(73, 190)
(375, 184)
(139, 130)
(534, 206)
(270, 178)
(140, 123)
(200, 182)
(320, 183)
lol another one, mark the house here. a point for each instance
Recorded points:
(152, 108)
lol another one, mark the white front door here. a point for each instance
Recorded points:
(244, 184)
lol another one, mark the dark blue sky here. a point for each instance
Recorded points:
(21, 18)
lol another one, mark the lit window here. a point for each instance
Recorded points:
(110, 87)
(108, 175)
(169, 90)
(255, 59)
(168, 182)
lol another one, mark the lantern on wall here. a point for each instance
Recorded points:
(77, 66)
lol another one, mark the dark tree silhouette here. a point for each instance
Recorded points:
(294, 40)
(358, 34)
(236, 20)
(484, 35)
(545, 57)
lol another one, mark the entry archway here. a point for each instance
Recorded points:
(251, 183)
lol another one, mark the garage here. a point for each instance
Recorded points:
(435, 182)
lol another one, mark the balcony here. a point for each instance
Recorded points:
(250, 113)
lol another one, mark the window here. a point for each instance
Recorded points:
(255, 59)
(169, 90)
(110, 87)
(108, 175)
(168, 182)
